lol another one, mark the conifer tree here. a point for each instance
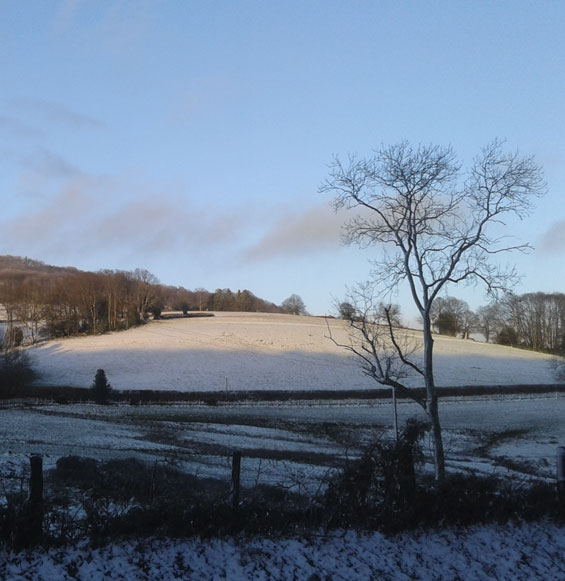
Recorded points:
(101, 388)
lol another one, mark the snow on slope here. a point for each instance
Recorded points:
(509, 552)
(259, 351)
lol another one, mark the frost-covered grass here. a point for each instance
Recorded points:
(260, 351)
(289, 446)
(295, 446)
(288, 442)
(509, 552)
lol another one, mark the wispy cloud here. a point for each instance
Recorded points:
(553, 240)
(48, 165)
(312, 230)
(99, 216)
(57, 113)
(20, 129)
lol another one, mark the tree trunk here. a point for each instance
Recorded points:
(431, 402)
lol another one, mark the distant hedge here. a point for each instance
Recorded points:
(68, 394)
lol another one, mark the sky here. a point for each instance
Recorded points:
(191, 137)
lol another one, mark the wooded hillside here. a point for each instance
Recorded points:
(39, 300)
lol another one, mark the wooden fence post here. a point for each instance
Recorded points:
(36, 497)
(561, 472)
(28, 528)
(235, 479)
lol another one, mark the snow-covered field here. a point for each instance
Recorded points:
(291, 445)
(260, 351)
(296, 445)
(520, 552)
(300, 441)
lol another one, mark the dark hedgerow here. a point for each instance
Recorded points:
(383, 490)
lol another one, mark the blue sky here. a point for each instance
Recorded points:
(190, 137)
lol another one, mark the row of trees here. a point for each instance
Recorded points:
(70, 302)
(533, 321)
(39, 301)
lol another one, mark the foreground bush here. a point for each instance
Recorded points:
(16, 370)
(381, 491)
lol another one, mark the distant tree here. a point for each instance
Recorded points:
(537, 321)
(223, 300)
(178, 299)
(202, 297)
(89, 292)
(146, 290)
(507, 336)
(30, 308)
(470, 323)
(447, 324)
(101, 388)
(346, 310)
(294, 305)
(488, 318)
(245, 301)
(451, 316)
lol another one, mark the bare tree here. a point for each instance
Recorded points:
(452, 316)
(386, 354)
(534, 321)
(435, 227)
(489, 320)
(294, 305)
(145, 285)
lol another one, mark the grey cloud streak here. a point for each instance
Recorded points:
(19, 128)
(312, 230)
(553, 240)
(50, 165)
(91, 215)
(57, 113)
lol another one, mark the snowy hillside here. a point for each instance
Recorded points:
(260, 351)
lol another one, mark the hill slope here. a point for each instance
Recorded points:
(260, 351)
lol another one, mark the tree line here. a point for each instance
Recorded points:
(533, 321)
(41, 301)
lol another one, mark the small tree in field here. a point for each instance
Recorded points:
(434, 227)
(101, 388)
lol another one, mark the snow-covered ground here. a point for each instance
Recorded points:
(260, 351)
(294, 444)
(511, 552)
(301, 441)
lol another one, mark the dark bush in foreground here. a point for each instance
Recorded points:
(382, 490)
(15, 371)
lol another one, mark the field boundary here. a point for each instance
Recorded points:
(69, 394)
